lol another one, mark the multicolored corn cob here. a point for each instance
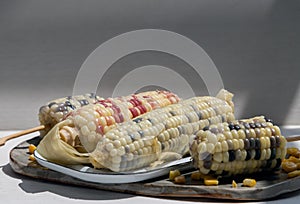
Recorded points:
(238, 147)
(57, 110)
(163, 132)
(69, 141)
(91, 122)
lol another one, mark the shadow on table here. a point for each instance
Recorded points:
(30, 185)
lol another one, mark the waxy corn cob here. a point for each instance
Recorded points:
(69, 140)
(160, 133)
(55, 111)
(243, 146)
(92, 121)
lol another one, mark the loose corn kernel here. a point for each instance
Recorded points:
(292, 151)
(234, 185)
(31, 157)
(288, 166)
(249, 182)
(31, 148)
(174, 174)
(294, 174)
(196, 175)
(294, 159)
(179, 180)
(211, 182)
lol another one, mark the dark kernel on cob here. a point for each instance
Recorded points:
(206, 128)
(237, 127)
(246, 144)
(257, 151)
(231, 126)
(252, 143)
(252, 125)
(273, 153)
(257, 154)
(258, 125)
(273, 142)
(246, 125)
(277, 140)
(231, 155)
(257, 143)
(269, 120)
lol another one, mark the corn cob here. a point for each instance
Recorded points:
(239, 147)
(92, 121)
(85, 126)
(55, 111)
(160, 133)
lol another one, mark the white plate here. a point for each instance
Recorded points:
(87, 173)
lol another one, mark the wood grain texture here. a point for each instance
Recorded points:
(268, 185)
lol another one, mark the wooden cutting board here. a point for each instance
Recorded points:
(268, 185)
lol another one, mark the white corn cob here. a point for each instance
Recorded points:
(239, 147)
(138, 143)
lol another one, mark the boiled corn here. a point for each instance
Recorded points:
(243, 146)
(57, 110)
(167, 130)
(69, 141)
(92, 121)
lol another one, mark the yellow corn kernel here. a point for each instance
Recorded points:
(292, 151)
(173, 174)
(31, 148)
(179, 180)
(31, 157)
(196, 175)
(294, 159)
(294, 174)
(211, 182)
(234, 185)
(249, 182)
(288, 166)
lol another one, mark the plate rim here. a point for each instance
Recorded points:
(114, 177)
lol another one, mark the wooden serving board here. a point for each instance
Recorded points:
(268, 185)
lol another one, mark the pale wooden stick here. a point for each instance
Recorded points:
(21, 133)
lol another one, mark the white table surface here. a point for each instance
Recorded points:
(15, 188)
